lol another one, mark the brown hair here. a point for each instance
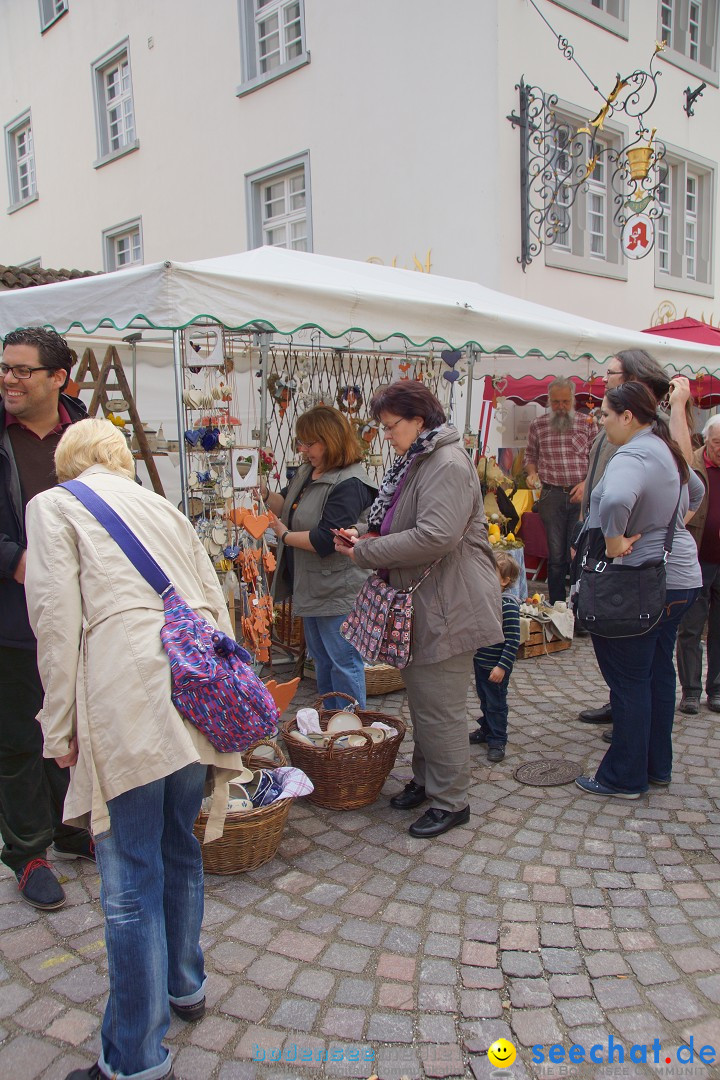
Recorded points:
(328, 426)
(408, 398)
(507, 567)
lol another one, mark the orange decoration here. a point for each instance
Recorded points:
(283, 693)
(256, 524)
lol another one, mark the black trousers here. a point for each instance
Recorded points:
(706, 609)
(32, 788)
(559, 516)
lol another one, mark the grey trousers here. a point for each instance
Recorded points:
(689, 645)
(437, 697)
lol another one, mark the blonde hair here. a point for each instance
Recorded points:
(508, 569)
(93, 442)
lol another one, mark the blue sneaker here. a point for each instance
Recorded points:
(592, 787)
(39, 887)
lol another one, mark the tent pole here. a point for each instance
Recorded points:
(262, 340)
(469, 394)
(178, 365)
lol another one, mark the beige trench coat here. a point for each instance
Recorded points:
(102, 664)
(457, 608)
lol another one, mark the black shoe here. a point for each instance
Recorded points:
(189, 1013)
(607, 736)
(412, 795)
(477, 737)
(713, 702)
(603, 715)
(39, 887)
(580, 631)
(80, 847)
(689, 704)
(435, 821)
(495, 753)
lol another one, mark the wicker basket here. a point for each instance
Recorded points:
(287, 627)
(351, 777)
(249, 839)
(382, 679)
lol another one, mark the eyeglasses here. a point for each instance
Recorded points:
(608, 373)
(20, 371)
(389, 427)
(300, 445)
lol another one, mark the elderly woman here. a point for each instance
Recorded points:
(330, 490)
(646, 486)
(138, 769)
(430, 508)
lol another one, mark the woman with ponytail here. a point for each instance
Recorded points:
(632, 505)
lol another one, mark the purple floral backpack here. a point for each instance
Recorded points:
(212, 684)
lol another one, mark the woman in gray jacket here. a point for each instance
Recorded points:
(331, 490)
(430, 510)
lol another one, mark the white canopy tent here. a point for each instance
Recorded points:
(273, 290)
(286, 291)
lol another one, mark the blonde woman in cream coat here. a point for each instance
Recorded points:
(138, 770)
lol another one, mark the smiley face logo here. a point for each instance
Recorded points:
(501, 1054)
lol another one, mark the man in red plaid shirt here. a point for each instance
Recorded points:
(556, 460)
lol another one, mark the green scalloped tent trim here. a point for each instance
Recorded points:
(252, 324)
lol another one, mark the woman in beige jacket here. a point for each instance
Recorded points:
(430, 508)
(138, 770)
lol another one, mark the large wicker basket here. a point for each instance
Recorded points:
(248, 839)
(351, 777)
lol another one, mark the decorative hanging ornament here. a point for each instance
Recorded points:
(349, 398)
(451, 357)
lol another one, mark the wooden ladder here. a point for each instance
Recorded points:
(99, 384)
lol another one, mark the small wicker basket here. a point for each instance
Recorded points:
(382, 679)
(248, 839)
(351, 777)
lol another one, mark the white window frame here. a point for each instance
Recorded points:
(678, 51)
(612, 16)
(115, 57)
(680, 274)
(249, 17)
(12, 130)
(50, 12)
(110, 238)
(573, 251)
(254, 184)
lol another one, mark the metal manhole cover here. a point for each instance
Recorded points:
(547, 772)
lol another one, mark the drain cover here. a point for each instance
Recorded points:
(548, 772)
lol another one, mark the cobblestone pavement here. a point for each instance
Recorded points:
(552, 917)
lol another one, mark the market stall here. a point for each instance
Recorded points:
(295, 326)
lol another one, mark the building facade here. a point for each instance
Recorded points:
(135, 132)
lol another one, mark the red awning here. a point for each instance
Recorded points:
(529, 389)
(689, 330)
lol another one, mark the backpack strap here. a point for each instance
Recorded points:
(136, 552)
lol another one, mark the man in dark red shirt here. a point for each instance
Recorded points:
(705, 527)
(34, 369)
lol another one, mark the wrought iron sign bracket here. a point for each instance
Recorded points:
(691, 97)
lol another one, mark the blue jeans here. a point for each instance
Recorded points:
(641, 676)
(493, 698)
(151, 891)
(338, 666)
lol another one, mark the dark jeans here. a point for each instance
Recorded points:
(559, 516)
(641, 677)
(493, 698)
(32, 788)
(689, 648)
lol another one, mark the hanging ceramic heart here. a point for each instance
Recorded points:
(256, 524)
(193, 437)
(451, 357)
(451, 376)
(210, 438)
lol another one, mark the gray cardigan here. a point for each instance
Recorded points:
(321, 586)
(457, 608)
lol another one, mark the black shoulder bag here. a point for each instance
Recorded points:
(615, 600)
